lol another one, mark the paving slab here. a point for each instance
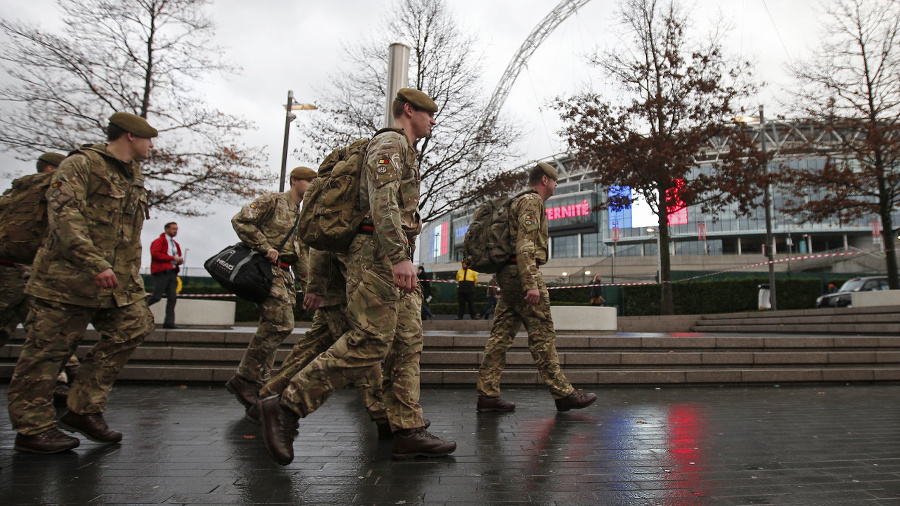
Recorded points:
(666, 445)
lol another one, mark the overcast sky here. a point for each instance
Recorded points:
(296, 45)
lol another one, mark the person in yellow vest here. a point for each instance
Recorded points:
(466, 279)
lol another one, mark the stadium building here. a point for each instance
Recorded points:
(622, 246)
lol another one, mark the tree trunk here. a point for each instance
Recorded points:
(667, 302)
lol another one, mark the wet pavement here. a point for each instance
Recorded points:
(797, 445)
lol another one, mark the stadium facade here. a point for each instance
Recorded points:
(622, 246)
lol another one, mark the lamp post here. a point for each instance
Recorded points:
(767, 202)
(292, 105)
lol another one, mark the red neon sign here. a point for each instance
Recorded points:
(570, 211)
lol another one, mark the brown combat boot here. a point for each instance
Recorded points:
(50, 441)
(60, 395)
(244, 391)
(252, 414)
(411, 443)
(279, 427)
(487, 404)
(577, 400)
(91, 426)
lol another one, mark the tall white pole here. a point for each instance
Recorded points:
(398, 77)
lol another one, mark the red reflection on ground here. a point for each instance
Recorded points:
(686, 423)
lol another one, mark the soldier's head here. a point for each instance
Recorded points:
(49, 161)
(414, 112)
(301, 177)
(543, 178)
(171, 229)
(130, 135)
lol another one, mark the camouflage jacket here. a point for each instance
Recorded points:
(389, 194)
(265, 223)
(96, 205)
(328, 277)
(530, 236)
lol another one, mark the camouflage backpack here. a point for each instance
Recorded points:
(23, 218)
(331, 214)
(487, 245)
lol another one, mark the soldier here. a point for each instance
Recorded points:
(524, 299)
(14, 303)
(86, 271)
(383, 299)
(265, 224)
(326, 295)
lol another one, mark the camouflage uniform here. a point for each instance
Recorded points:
(529, 233)
(14, 304)
(263, 225)
(327, 278)
(96, 207)
(386, 323)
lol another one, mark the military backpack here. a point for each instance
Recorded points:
(331, 213)
(488, 246)
(23, 218)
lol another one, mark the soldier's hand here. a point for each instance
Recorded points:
(533, 296)
(405, 276)
(272, 255)
(106, 279)
(311, 301)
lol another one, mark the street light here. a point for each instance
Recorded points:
(291, 105)
(658, 254)
(767, 201)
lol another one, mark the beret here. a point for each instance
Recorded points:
(303, 173)
(52, 158)
(417, 98)
(133, 124)
(549, 170)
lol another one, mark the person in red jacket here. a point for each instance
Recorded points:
(165, 258)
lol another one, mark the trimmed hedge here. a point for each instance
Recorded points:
(722, 296)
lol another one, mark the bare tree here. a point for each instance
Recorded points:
(442, 64)
(850, 87)
(147, 57)
(674, 95)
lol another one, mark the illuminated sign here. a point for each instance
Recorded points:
(622, 217)
(440, 239)
(570, 211)
(678, 214)
(461, 231)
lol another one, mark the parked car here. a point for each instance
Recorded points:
(841, 298)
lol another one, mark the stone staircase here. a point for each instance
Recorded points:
(883, 320)
(746, 348)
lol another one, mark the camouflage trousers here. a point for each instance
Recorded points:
(386, 326)
(328, 324)
(55, 330)
(14, 306)
(511, 313)
(276, 322)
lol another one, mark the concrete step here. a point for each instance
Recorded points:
(452, 357)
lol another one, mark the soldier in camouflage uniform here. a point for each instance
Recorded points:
(14, 303)
(384, 299)
(524, 299)
(264, 225)
(326, 295)
(86, 271)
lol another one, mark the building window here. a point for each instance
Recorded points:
(565, 247)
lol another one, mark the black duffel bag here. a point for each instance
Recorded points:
(245, 272)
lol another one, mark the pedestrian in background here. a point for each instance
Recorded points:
(165, 262)
(425, 282)
(466, 279)
(493, 292)
(597, 291)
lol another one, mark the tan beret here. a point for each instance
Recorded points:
(549, 170)
(303, 173)
(52, 158)
(133, 124)
(417, 98)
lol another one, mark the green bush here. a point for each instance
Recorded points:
(722, 296)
